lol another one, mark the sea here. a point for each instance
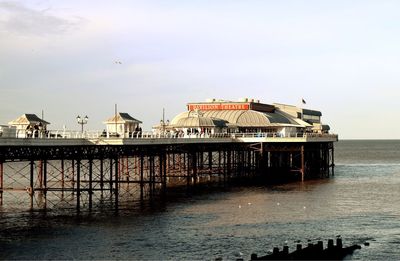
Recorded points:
(359, 204)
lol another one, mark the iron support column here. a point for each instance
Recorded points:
(78, 185)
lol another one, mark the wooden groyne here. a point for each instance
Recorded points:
(311, 252)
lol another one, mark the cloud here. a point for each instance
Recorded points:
(22, 20)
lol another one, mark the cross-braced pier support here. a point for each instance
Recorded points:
(85, 176)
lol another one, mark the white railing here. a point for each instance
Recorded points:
(67, 134)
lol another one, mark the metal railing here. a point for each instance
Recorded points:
(67, 134)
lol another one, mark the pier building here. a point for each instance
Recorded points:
(26, 124)
(122, 125)
(213, 143)
(246, 116)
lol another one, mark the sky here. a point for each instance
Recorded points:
(69, 58)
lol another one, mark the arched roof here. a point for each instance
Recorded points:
(239, 118)
(181, 115)
(193, 122)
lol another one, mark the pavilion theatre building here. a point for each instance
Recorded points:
(246, 116)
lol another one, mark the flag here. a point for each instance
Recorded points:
(303, 101)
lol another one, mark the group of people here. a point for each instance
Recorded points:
(32, 131)
(137, 132)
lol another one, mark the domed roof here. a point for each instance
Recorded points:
(247, 118)
(181, 115)
(194, 122)
(239, 118)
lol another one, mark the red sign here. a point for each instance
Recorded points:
(219, 106)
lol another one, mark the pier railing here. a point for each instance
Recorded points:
(93, 135)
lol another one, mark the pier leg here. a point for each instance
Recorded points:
(194, 167)
(229, 167)
(163, 172)
(45, 182)
(101, 175)
(90, 183)
(141, 178)
(40, 181)
(153, 183)
(219, 166)
(210, 165)
(73, 175)
(78, 185)
(333, 160)
(302, 162)
(31, 189)
(151, 175)
(62, 179)
(249, 170)
(127, 169)
(111, 176)
(40, 175)
(1, 182)
(188, 170)
(116, 184)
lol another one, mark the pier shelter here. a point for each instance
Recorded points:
(29, 125)
(122, 125)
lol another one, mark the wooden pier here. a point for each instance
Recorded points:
(80, 173)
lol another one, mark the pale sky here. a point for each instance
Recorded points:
(341, 57)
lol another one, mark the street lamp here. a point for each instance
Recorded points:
(163, 124)
(82, 121)
(162, 121)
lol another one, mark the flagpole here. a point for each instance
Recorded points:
(302, 102)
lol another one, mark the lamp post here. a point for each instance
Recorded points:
(82, 121)
(162, 121)
(163, 124)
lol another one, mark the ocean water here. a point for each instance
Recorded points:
(360, 203)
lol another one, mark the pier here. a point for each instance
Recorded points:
(216, 142)
(79, 172)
